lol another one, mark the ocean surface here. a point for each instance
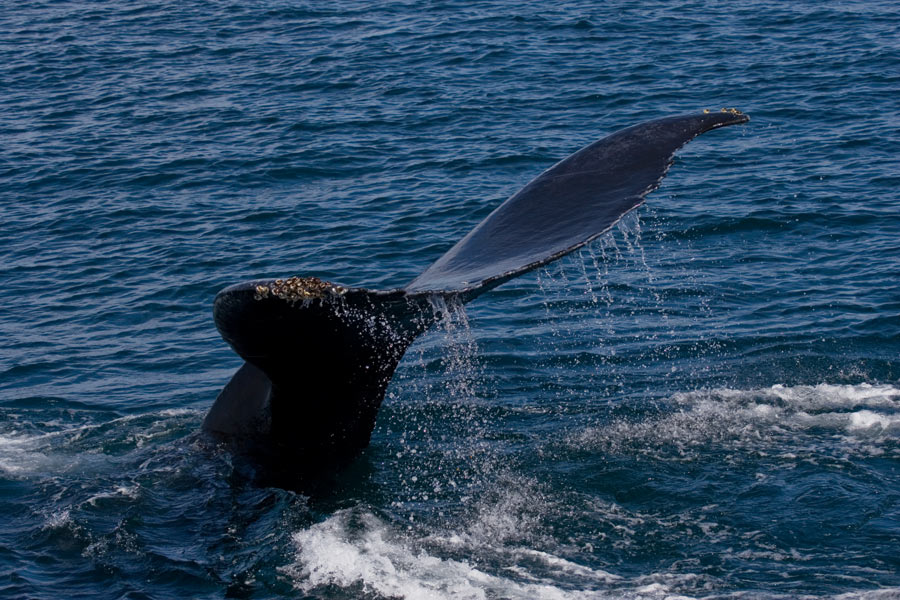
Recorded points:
(704, 403)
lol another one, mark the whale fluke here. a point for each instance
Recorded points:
(320, 355)
(568, 205)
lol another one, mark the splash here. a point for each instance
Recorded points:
(360, 552)
(437, 410)
(461, 369)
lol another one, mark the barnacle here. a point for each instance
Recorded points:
(302, 288)
(262, 291)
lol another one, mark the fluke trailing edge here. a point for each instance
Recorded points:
(319, 356)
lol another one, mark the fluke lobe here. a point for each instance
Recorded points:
(319, 356)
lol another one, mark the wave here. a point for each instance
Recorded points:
(827, 419)
(70, 448)
(366, 556)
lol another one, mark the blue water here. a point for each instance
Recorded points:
(704, 403)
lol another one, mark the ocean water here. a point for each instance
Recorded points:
(704, 403)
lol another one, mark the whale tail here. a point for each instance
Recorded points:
(320, 356)
(319, 359)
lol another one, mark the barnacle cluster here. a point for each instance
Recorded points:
(732, 111)
(298, 289)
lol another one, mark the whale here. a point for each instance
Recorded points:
(319, 356)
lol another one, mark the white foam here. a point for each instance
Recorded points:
(329, 554)
(122, 491)
(58, 520)
(18, 455)
(508, 514)
(866, 416)
(176, 412)
(882, 594)
(356, 550)
(497, 551)
(826, 395)
(806, 397)
(24, 455)
(490, 556)
(868, 420)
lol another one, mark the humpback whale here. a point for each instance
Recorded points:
(319, 355)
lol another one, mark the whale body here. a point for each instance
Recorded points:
(319, 355)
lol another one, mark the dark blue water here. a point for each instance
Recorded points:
(703, 404)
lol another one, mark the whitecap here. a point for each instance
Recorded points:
(355, 550)
(791, 420)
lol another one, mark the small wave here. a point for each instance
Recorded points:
(366, 557)
(356, 550)
(127, 492)
(827, 395)
(883, 594)
(862, 419)
(18, 454)
(91, 445)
